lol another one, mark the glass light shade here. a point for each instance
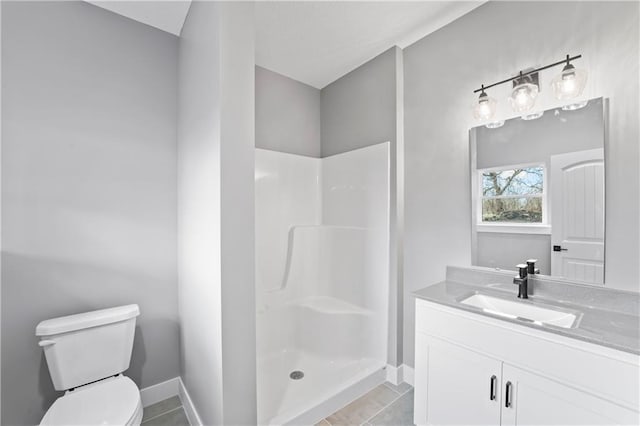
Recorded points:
(485, 109)
(494, 124)
(533, 115)
(569, 83)
(575, 106)
(523, 97)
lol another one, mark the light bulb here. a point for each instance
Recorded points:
(523, 97)
(485, 108)
(569, 83)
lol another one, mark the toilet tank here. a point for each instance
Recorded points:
(86, 347)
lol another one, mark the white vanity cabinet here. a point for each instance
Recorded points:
(536, 400)
(462, 387)
(471, 369)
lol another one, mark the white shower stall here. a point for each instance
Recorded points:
(322, 280)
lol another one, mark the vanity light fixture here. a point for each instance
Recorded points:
(568, 85)
(525, 91)
(485, 109)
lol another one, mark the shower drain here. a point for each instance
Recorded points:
(296, 375)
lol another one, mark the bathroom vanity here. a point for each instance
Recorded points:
(570, 354)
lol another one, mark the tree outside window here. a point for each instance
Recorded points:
(513, 195)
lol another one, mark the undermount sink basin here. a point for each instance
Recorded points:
(522, 311)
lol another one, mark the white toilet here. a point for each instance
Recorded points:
(86, 354)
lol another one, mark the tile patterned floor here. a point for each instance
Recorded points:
(165, 413)
(386, 405)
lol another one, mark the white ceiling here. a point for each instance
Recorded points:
(316, 42)
(167, 15)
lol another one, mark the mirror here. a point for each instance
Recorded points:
(538, 192)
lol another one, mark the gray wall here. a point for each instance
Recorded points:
(359, 109)
(88, 187)
(502, 250)
(198, 212)
(216, 211)
(443, 69)
(363, 108)
(287, 114)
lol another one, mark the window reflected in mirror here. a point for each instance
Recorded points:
(513, 195)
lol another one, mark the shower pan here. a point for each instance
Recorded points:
(322, 244)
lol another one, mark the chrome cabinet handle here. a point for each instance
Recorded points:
(492, 389)
(507, 395)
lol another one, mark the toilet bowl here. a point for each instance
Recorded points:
(112, 401)
(86, 355)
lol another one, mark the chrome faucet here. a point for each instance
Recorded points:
(522, 280)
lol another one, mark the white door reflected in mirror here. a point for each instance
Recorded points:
(577, 200)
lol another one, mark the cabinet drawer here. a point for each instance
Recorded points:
(603, 372)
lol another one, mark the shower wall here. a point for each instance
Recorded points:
(287, 193)
(355, 193)
(349, 190)
(322, 259)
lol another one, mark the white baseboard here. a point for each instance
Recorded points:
(397, 375)
(394, 374)
(172, 387)
(159, 392)
(187, 404)
(407, 374)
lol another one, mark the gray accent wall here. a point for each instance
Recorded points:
(88, 187)
(491, 42)
(359, 108)
(287, 114)
(216, 211)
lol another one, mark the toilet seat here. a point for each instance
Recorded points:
(113, 401)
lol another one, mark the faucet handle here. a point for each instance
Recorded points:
(522, 269)
(531, 267)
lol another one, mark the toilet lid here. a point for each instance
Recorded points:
(108, 402)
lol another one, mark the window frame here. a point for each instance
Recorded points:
(543, 227)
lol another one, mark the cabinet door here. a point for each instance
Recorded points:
(453, 385)
(535, 400)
